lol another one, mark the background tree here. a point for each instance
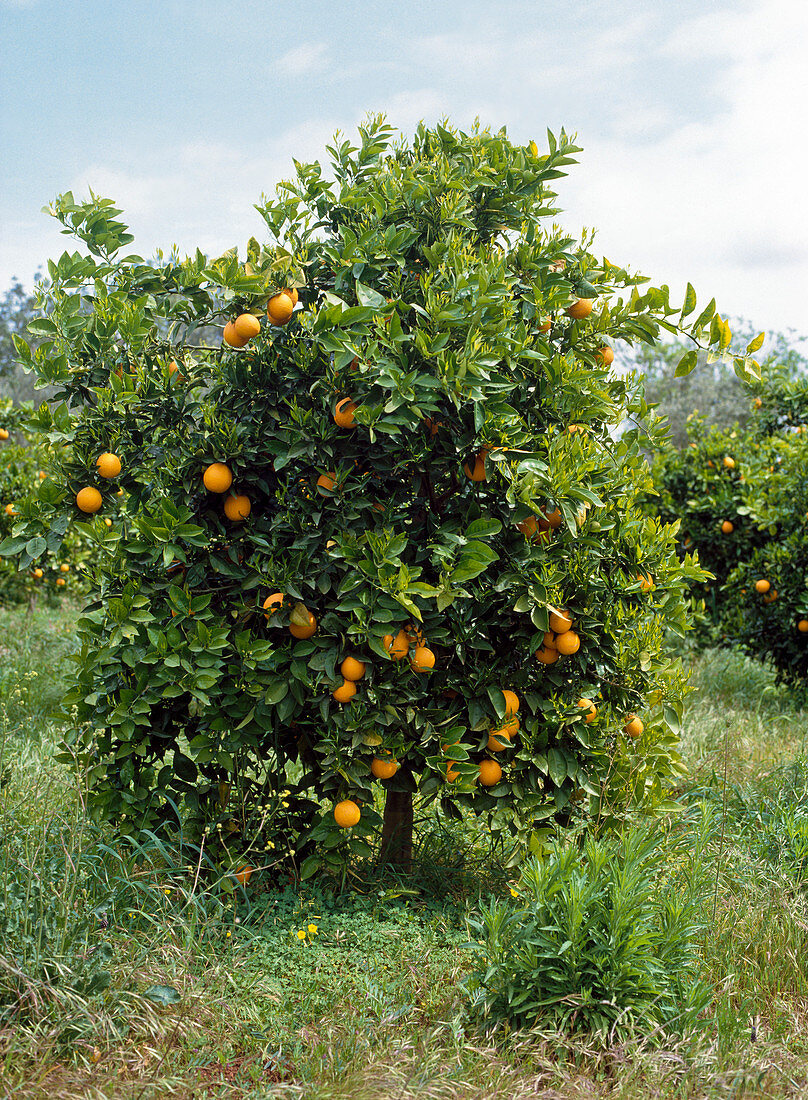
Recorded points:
(382, 535)
(712, 390)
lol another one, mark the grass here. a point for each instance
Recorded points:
(119, 979)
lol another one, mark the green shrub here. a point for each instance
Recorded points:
(603, 938)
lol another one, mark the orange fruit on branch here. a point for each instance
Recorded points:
(217, 478)
(422, 659)
(568, 643)
(397, 647)
(346, 813)
(326, 483)
(605, 355)
(237, 507)
(560, 621)
(246, 325)
(727, 527)
(302, 623)
(589, 707)
(109, 465)
(802, 626)
(280, 308)
(345, 692)
(231, 337)
(490, 773)
(88, 499)
(546, 656)
(511, 701)
(762, 585)
(352, 669)
(384, 768)
(272, 603)
(633, 726)
(344, 413)
(580, 308)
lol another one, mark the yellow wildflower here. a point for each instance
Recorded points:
(301, 934)
(312, 929)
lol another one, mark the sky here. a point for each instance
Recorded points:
(690, 114)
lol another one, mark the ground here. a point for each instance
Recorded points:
(190, 996)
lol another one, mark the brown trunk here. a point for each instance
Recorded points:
(396, 848)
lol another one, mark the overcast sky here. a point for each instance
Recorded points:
(691, 114)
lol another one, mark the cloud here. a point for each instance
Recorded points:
(302, 60)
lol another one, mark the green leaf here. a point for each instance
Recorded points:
(689, 303)
(686, 363)
(35, 547)
(368, 297)
(756, 344)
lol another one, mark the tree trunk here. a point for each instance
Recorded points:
(396, 849)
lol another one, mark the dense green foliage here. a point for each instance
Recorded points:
(764, 495)
(434, 286)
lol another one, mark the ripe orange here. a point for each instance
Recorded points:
(42, 475)
(758, 403)
(243, 874)
(64, 567)
(550, 639)
(109, 465)
(3, 433)
(292, 294)
(246, 325)
(345, 692)
(237, 507)
(346, 814)
(60, 582)
(560, 621)
(580, 308)
(605, 355)
(511, 701)
(490, 773)
(108, 522)
(546, 325)
(384, 768)
(231, 337)
(802, 626)
(217, 478)
(280, 308)
(451, 772)
(88, 499)
(38, 574)
(397, 647)
(546, 656)
(272, 603)
(173, 368)
(422, 659)
(727, 527)
(553, 518)
(344, 413)
(498, 740)
(729, 462)
(478, 472)
(646, 581)
(415, 636)
(762, 585)
(302, 630)
(633, 726)
(326, 483)
(590, 708)
(9, 510)
(352, 669)
(770, 597)
(568, 642)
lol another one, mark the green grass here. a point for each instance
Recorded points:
(121, 978)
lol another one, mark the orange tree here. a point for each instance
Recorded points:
(759, 599)
(385, 534)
